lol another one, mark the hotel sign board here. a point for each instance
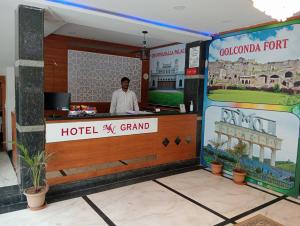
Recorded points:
(67, 131)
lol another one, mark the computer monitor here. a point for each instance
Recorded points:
(57, 101)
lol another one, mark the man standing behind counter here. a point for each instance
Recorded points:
(123, 99)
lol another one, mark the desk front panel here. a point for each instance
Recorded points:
(174, 140)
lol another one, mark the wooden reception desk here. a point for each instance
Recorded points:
(105, 144)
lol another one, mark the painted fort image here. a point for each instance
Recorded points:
(167, 76)
(249, 73)
(258, 133)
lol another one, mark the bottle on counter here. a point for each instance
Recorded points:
(191, 106)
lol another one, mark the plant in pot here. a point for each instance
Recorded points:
(36, 165)
(239, 173)
(216, 164)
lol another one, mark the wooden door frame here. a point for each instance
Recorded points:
(3, 97)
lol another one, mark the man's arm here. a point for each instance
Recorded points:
(113, 103)
(135, 103)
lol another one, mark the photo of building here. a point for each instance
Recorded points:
(167, 76)
(270, 153)
(249, 73)
(262, 67)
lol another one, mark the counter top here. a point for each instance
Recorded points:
(108, 115)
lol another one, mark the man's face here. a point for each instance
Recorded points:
(125, 85)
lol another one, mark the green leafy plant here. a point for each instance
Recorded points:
(217, 144)
(238, 151)
(36, 164)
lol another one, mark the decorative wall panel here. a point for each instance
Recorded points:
(92, 77)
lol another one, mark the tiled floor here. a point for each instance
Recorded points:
(73, 212)
(192, 198)
(147, 204)
(285, 212)
(217, 193)
(7, 173)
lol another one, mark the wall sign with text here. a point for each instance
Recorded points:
(57, 132)
(194, 57)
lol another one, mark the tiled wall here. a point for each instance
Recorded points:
(92, 77)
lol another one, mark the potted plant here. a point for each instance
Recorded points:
(36, 165)
(216, 165)
(239, 173)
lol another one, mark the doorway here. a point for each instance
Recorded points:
(2, 113)
(8, 175)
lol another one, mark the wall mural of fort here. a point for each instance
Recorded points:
(261, 67)
(270, 158)
(248, 75)
(254, 98)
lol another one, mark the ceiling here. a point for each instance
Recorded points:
(121, 21)
(81, 31)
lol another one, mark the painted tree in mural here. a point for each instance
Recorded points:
(217, 144)
(238, 151)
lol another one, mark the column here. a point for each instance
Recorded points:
(195, 88)
(261, 153)
(273, 156)
(29, 87)
(229, 142)
(250, 154)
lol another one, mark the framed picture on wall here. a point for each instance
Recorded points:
(166, 80)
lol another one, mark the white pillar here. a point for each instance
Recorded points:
(10, 103)
(250, 154)
(273, 157)
(229, 142)
(261, 154)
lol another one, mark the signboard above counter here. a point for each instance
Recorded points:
(67, 131)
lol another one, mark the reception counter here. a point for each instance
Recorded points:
(86, 147)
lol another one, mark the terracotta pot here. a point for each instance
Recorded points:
(239, 176)
(216, 168)
(36, 201)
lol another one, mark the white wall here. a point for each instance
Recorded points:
(10, 102)
(7, 55)
(7, 37)
(2, 71)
